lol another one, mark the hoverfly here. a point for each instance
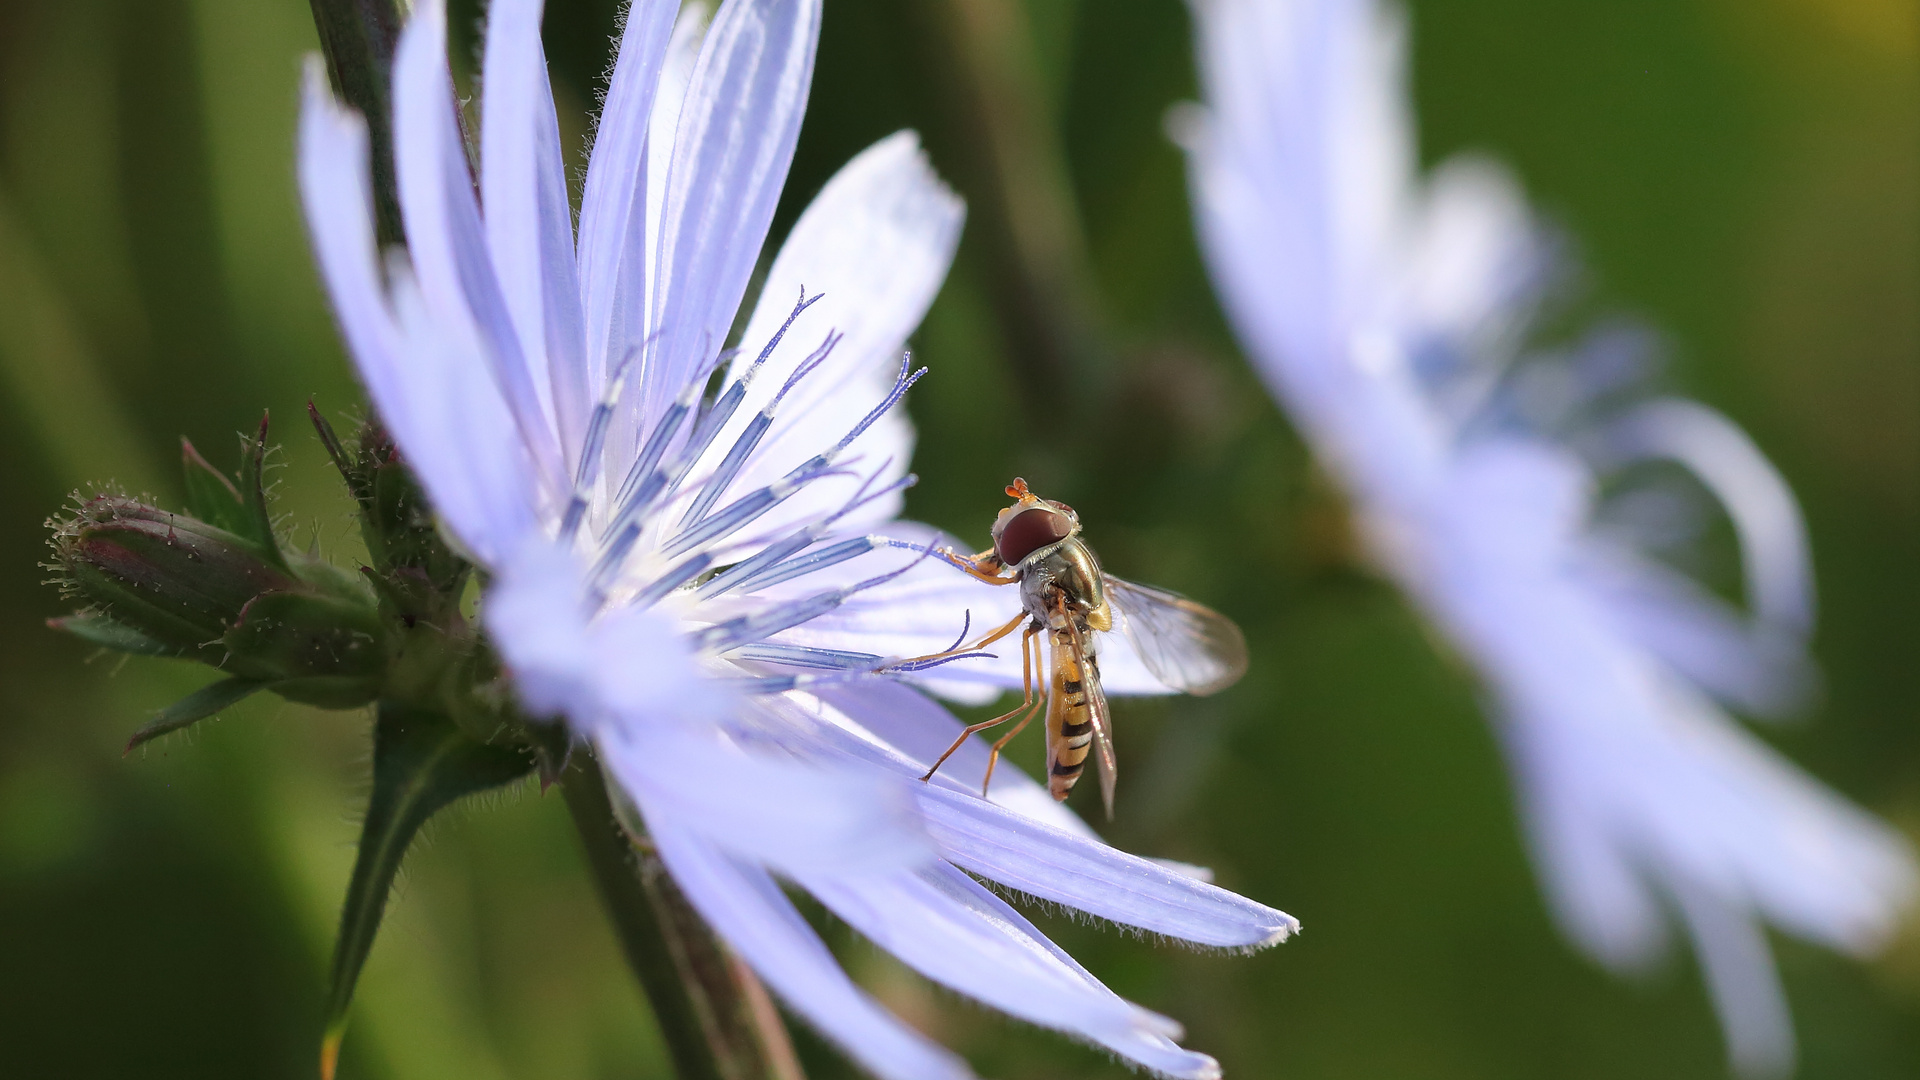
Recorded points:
(1065, 594)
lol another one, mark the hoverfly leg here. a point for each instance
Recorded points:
(974, 729)
(1029, 665)
(1003, 631)
(985, 566)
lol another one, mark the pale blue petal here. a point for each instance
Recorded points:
(747, 909)
(1757, 667)
(1476, 259)
(595, 670)
(735, 140)
(528, 219)
(1600, 898)
(614, 240)
(1773, 537)
(536, 614)
(452, 426)
(676, 77)
(1044, 862)
(945, 925)
(1743, 982)
(875, 245)
(793, 815)
(920, 729)
(444, 233)
(461, 439)
(1301, 167)
(1035, 858)
(1335, 262)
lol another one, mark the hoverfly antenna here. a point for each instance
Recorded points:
(1018, 489)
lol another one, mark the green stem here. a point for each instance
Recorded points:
(1009, 161)
(357, 37)
(716, 1018)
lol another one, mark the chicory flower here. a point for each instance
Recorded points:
(651, 548)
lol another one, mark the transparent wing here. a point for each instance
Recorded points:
(1103, 761)
(1188, 646)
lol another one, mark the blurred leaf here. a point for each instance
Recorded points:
(421, 763)
(196, 706)
(111, 634)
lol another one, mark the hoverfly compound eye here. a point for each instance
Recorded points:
(1029, 530)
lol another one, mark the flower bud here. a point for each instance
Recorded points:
(178, 580)
(187, 588)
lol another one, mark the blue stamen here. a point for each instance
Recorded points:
(807, 564)
(777, 684)
(804, 656)
(749, 439)
(741, 511)
(966, 624)
(751, 628)
(746, 568)
(636, 497)
(764, 624)
(610, 560)
(671, 580)
(663, 432)
(910, 667)
(754, 504)
(901, 384)
(592, 447)
(798, 541)
(729, 467)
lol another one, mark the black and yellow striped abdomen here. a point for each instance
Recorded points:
(1069, 713)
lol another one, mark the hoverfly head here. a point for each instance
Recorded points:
(1030, 524)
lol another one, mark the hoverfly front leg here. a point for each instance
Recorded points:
(1026, 676)
(985, 566)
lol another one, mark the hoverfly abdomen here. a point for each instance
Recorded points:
(1070, 719)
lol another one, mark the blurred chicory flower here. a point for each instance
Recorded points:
(1389, 315)
(647, 544)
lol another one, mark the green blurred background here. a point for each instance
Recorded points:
(1744, 174)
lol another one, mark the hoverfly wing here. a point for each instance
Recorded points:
(1186, 645)
(1103, 758)
(1098, 716)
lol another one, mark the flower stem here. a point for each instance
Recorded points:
(1008, 159)
(357, 37)
(718, 1021)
